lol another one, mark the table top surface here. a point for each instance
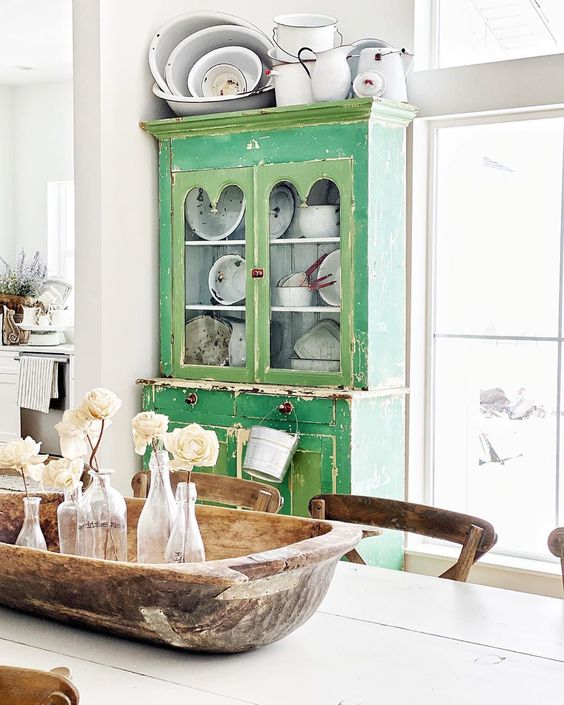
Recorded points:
(378, 634)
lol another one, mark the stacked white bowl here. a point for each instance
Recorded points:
(211, 62)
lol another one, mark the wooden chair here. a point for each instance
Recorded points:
(233, 491)
(556, 546)
(476, 536)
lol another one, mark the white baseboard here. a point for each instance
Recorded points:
(523, 575)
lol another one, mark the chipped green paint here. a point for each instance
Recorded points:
(350, 441)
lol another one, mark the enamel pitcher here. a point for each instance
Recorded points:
(330, 74)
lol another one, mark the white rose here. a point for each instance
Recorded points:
(72, 439)
(99, 404)
(192, 445)
(21, 454)
(63, 474)
(77, 418)
(147, 426)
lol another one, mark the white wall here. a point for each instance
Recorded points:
(43, 151)
(6, 181)
(116, 184)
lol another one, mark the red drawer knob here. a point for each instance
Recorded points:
(192, 399)
(286, 407)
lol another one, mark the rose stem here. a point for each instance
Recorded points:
(25, 482)
(95, 449)
(94, 459)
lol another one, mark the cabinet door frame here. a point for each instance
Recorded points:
(214, 181)
(303, 175)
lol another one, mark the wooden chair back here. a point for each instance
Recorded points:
(474, 535)
(233, 491)
(556, 546)
(25, 686)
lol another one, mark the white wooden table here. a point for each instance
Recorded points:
(379, 637)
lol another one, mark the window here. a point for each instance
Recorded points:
(480, 31)
(496, 325)
(60, 230)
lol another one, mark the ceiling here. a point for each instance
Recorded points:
(35, 41)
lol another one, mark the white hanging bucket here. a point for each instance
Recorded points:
(269, 452)
(303, 29)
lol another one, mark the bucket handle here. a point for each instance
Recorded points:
(302, 61)
(279, 409)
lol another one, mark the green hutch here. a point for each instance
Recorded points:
(318, 192)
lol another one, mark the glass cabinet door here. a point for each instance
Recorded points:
(212, 253)
(306, 209)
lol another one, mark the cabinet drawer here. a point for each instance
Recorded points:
(8, 362)
(180, 402)
(312, 410)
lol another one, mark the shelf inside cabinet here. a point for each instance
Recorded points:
(212, 243)
(307, 309)
(305, 240)
(213, 307)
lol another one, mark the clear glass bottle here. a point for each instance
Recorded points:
(67, 521)
(102, 525)
(185, 544)
(158, 514)
(30, 534)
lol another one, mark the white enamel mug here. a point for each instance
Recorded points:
(302, 29)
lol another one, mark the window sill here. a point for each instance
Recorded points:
(509, 572)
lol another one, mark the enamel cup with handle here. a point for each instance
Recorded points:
(302, 29)
(392, 65)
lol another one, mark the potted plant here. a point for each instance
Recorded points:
(19, 286)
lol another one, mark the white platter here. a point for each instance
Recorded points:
(219, 225)
(187, 53)
(331, 265)
(282, 207)
(227, 279)
(296, 363)
(207, 341)
(176, 30)
(321, 342)
(187, 107)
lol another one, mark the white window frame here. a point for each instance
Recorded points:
(60, 232)
(513, 89)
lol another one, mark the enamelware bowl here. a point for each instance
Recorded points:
(292, 296)
(191, 49)
(319, 221)
(170, 34)
(187, 107)
(227, 280)
(240, 60)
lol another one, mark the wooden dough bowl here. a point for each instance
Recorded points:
(265, 576)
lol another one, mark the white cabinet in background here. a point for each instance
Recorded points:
(9, 410)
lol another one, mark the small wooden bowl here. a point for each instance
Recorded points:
(26, 686)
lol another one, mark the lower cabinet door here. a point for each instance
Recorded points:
(9, 410)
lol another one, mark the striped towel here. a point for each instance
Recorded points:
(37, 382)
